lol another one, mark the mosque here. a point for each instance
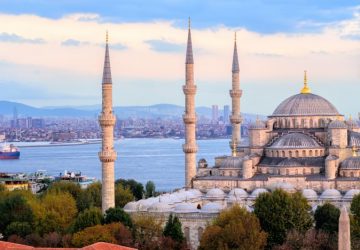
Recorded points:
(305, 145)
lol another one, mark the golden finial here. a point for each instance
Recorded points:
(233, 152)
(354, 154)
(305, 89)
(107, 36)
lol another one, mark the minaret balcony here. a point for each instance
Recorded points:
(235, 93)
(189, 119)
(188, 148)
(235, 119)
(107, 120)
(189, 89)
(107, 156)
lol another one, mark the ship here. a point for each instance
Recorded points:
(9, 152)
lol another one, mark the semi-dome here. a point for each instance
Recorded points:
(186, 208)
(289, 162)
(295, 140)
(215, 193)
(351, 163)
(211, 207)
(305, 105)
(351, 193)
(337, 124)
(257, 192)
(309, 194)
(232, 162)
(330, 194)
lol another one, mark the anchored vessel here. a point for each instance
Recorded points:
(9, 152)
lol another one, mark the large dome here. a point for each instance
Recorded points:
(305, 105)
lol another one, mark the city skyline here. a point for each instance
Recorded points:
(51, 63)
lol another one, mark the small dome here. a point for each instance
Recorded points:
(305, 105)
(160, 207)
(215, 193)
(232, 162)
(289, 162)
(186, 208)
(130, 207)
(336, 124)
(196, 192)
(351, 163)
(258, 124)
(313, 208)
(257, 192)
(351, 193)
(238, 193)
(295, 140)
(309, 194)
(143, 205)
(169, 198)
(211, 207)
(330, 194)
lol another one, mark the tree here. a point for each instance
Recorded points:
(147, 232)
(87, 218)
(280, 212)
(113, 233)
(65, 186)
(58, 212)
(234, 228)
(89, 197)
(122, 195)
(355, 207)
(149, 189)
(14, 208)
(19, 228)
(173, 229)
(53, 239)
(327, 218)
(136, 188)
(118, 215)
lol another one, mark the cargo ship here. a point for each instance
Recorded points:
(9, 152)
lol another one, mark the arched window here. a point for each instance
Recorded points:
(304, 171)
(296, 171)
(316, 153)
(303, 153)
(303, 123)
(310, 153)
(290, 154)
(352, 174)
(187, 234)
(283, 153)
(297, 153)
(312, 171)
(277, 153)
(311, 123)
(287, 171)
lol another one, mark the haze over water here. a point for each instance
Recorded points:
(159, 160)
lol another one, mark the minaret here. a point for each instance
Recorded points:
(235, 94)
(189, 89)
(107, 121)
(344, 242)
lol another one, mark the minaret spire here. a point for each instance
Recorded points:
(107, 154)
(189, 89)
(235, 94)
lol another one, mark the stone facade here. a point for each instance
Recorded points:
(107, 154)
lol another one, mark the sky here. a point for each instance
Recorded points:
(52, 52)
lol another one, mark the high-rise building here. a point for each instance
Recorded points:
(226, 114)
(107, 120)
(189, 89)
(215, 113)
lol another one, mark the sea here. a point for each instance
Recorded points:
(158, 160)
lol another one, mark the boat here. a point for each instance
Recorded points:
(76, 177)
(9, 152)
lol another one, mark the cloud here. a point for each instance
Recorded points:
(118, 46)
(164, 46)
(73, 42)
(13, 38)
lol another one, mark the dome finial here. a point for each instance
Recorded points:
(305, 89)
(354, 154)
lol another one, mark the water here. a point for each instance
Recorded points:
(158, 160)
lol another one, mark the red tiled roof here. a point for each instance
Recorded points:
(97, 246)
